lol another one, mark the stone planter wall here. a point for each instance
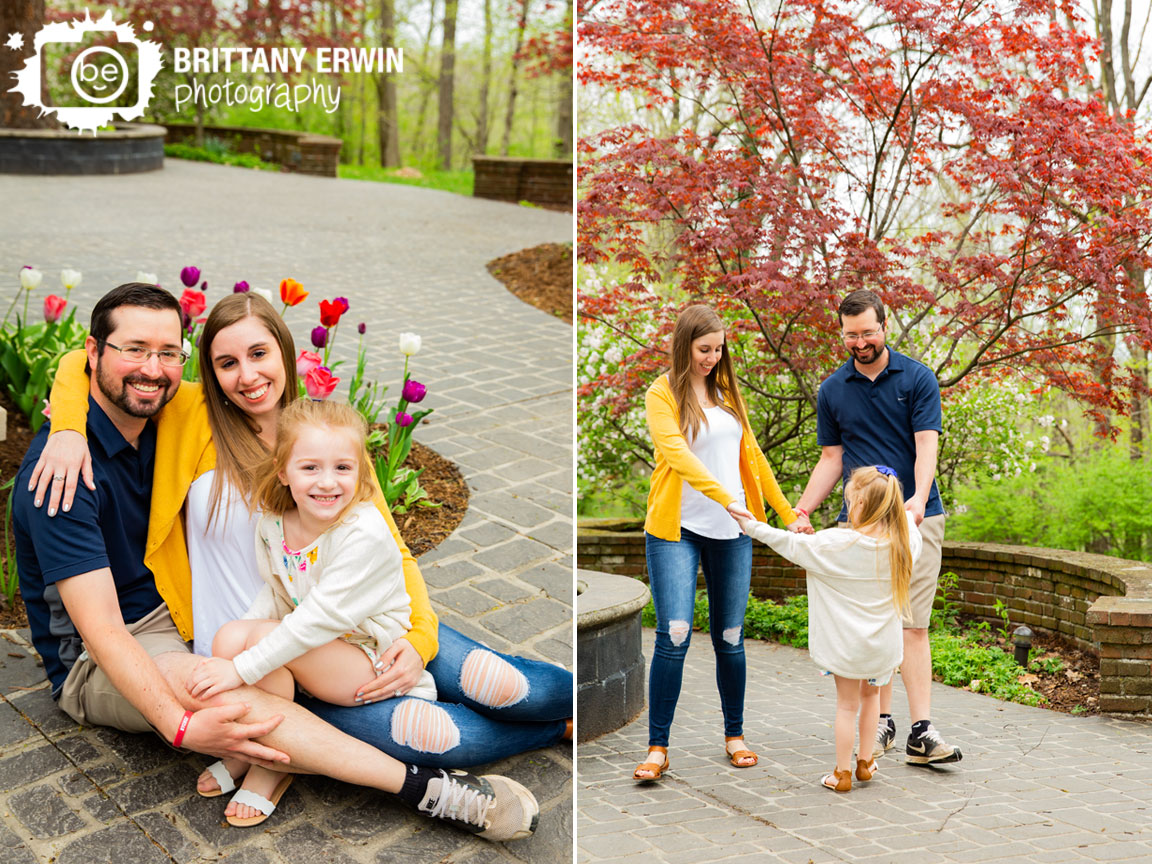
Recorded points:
(301, 152)
(128, 149)
(1103, 604)
(546, 182)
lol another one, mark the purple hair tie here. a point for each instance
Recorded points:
(885, 470)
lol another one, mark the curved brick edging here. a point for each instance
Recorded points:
(301, 152)
(1103, 604)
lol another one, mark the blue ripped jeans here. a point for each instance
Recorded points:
(457, 731)
(672, 566)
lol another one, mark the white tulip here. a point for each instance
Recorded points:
(69, 278)
(263, 292)
(409, 344)
(146, 278)
(30, 279)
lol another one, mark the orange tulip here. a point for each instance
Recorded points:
(292, 292)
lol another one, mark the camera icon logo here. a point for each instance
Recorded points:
(99, 78)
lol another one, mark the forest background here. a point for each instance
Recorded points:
(984, 166)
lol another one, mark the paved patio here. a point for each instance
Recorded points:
(1034, 785)
(499, 377)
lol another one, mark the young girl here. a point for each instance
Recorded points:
(857, 592)
(708, 468)
(333, 596)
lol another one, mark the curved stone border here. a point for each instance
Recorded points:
(507, 178)
(128, 149)
(301, 152)
(610, 663)
(1103, 604)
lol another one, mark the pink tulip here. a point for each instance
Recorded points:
(320, 383)
(306, 362)
(53, 308)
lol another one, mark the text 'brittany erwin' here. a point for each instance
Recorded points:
(328, 59)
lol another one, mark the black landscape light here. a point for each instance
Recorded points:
(1022, 637)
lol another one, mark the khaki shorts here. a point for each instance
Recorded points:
(89, 698)
(925, 572)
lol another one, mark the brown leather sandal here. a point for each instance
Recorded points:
(655, 769)
(735, 756)
(865, 769)
(838, 781)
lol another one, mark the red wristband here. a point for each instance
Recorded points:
(801, 511)
(179, 739)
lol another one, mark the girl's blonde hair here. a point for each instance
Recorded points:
(694, 322)
(877, 498)
(239, 451)
(275, 496)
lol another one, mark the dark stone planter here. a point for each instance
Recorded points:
(128, 149)
(610, 666)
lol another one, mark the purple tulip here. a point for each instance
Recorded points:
(190, 276)
(204, 285)
(343, 301)
(240, 287)
(413, 391)
(403, 419)
(361, 327)
(320, 337)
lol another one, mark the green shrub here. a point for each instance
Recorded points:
(216, 152)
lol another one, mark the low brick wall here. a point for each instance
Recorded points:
(547, 182)
(130, 148)
(301, 152)
(1101, 603)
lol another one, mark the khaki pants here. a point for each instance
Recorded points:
(89, 698)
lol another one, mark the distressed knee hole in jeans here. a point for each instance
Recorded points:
(678, 631)
(491, 680)
(732, 635)
(424, 726)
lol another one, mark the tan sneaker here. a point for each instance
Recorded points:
(493, 806)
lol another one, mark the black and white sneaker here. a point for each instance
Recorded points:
(930, 749)
(493, 806)
(885, 737)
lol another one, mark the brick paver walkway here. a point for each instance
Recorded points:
(499, 376)
(1034, 785)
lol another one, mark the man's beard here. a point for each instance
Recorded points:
(123, 398)
(874, 353)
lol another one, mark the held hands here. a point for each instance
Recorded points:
(802, 525)
(64, 460)
(400, 668)
(916, 507)
(213, 675)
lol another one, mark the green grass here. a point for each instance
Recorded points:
(785, 622)
(458, 182)
(219, 156)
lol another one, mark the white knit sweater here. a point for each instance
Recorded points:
(348, 584)
(854, 630)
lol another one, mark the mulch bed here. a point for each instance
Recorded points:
(540, 276)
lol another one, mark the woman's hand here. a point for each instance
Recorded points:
(737, 512)
(213, 675)
(64, 460)
(400, 669)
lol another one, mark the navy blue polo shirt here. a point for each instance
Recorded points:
(876, 421)
(105, 528)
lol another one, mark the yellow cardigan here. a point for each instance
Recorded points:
(184, 451)
(675, 462)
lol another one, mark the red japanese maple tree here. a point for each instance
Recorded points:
(943, 153)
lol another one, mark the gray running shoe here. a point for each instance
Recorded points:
(885, 738)
(930, 748)
(492, 806)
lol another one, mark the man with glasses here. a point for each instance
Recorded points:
(882, 408)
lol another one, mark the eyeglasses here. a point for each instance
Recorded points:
(849, 338)
(140, 354)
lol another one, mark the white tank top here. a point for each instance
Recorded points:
(222, 556)
(717, 445)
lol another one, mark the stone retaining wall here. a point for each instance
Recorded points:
(128, 149)
(301, 152)
(540, 181)
(1103, 604)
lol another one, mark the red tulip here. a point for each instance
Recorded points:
(331, 310)
(192, 302)
(53, 308)
(320, 383)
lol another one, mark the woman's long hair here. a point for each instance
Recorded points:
(694, 322)
(239, 450)
(878, 499)
(272, 494)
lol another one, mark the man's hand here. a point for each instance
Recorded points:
(916, 507)
(64, 460)
(217, 731)
(213, 675)
(802, 525)
(400, 669)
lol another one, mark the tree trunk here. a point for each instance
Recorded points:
(25, 17)
(447, 86)
(562, 143)
(521, 25)
(387, 116)
(485, 82)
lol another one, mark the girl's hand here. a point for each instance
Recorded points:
(64, 460)
(802, 525)
(742, 522)
(400, 669)
(213, 675)
(737, 512)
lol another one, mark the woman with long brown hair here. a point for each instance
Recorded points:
(709, 469)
